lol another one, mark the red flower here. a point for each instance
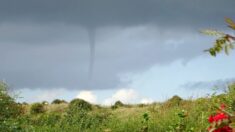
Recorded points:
(223, 129)
(218, 117)
(211, 119)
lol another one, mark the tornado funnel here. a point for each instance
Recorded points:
(91, 37)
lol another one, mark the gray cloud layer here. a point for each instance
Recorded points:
(44, 43)
(218, 84)
(117, 12)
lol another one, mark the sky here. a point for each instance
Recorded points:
(102, 51)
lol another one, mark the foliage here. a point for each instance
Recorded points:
(58, 101)
(220, 121)
(9, 109)
(45, 103)
(117, 104)
(224, 41)
(145, 122)
(48, 119)
(174, 101)
(37, 108)
(79, 115)
(78, 105)
(223, 120)
(180, 125)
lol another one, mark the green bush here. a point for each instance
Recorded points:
(77, 105)
(85, 121)
(230, 98)
(9, 109)
(58, 101)
(37, 108)
(45, 103)
(174, 101)
(47, 119)
(78, 115)
(117, 104)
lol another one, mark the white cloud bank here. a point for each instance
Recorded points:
(127, 96)
(88, 96)
(124, 95)
(146, 101)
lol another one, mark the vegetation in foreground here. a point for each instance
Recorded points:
(174, 115)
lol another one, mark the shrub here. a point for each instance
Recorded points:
(47, 119)
(174, 101)
(45, 103)
(37, 108)
(145, 121)
(77, 105)
(9, 110)
(220, 122)
(180, 124)
(117, 104)
(8, 107)
(77, 114)
(224, 119)
(58, 101)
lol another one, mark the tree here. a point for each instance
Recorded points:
(224, 41)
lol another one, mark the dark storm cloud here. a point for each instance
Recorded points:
(117, 12)
(44, 43)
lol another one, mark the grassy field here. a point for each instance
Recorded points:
(174, 115)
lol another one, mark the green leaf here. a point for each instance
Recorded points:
(226, 49)
(230, 22)
(232, 125)
(212, 32)
(212, 52)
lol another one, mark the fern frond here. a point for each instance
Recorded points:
(212, 32)
(230, 23)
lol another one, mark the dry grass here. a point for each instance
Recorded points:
(57, 108)
(125, 113)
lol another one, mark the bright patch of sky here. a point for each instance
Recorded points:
(156, 84)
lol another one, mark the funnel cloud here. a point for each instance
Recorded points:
(91, 36)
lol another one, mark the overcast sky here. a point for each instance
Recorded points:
(141, 47)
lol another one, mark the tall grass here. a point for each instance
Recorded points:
(174, 115)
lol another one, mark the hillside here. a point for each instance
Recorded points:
(174, 115)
